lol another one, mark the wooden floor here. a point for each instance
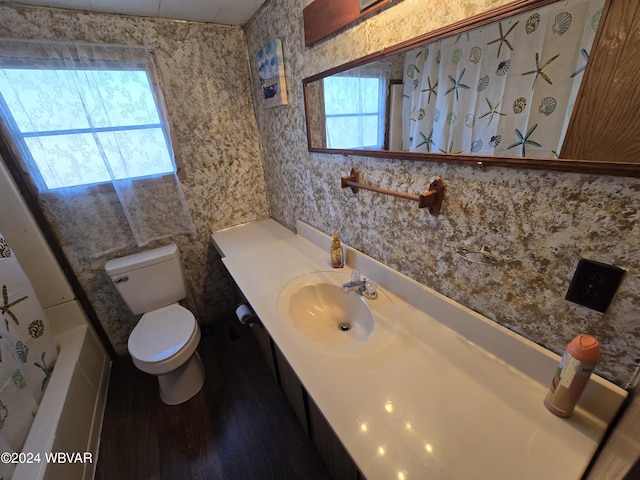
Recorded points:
(240, 426)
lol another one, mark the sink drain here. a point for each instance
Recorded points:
(344, 326)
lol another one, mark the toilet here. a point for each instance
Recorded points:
(164, 341)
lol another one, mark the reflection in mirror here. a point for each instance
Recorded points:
(354, 107)
(503, 89)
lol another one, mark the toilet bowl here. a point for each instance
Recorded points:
(164, 343)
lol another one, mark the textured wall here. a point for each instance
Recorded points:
(539, 223)
(203, 70)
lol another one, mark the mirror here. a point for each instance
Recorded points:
(501, 89)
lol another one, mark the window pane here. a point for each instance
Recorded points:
(67, 160)
(41, 100)
(370, 132)
(136, 153)
(340, 95)
(352, 132)
(342, 132)
(78, 109)
(353, 109)
(126, 97)
(49, 100)
(343, 95)
(370, 94)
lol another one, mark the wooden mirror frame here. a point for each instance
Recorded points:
(593, 128)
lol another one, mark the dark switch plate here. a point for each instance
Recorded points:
(594, 284)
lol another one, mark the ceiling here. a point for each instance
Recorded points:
(224, 12)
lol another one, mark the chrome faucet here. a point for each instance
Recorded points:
(367, 288)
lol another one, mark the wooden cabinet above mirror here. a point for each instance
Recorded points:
(323, 18)
(599, 127)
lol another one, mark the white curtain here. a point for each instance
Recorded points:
(355, 103)
(27, 355)
(504, 89)
(88, 123)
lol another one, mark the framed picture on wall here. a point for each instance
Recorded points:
(271, 72)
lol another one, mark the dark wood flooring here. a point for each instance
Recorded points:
(239, 426)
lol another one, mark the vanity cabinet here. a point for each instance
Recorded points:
(262, 339)
(331, 449)
(335, 456)
(504, 374)
(264, 343)
(292, 388)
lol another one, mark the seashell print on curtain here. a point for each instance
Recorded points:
(504, 89)
(27, 355)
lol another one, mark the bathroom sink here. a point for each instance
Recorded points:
(316, 310)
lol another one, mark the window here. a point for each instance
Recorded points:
(81, 115)
(355, 110)
(84, 127)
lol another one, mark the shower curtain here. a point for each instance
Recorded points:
(27, 355)
(505, 89)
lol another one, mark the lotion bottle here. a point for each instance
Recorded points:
(572, 376)
(337, 257)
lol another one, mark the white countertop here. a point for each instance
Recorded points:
(452, 396)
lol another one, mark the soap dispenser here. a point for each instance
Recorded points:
(337, 258)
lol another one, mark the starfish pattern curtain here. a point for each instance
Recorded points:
(504, 89)
(28, 353)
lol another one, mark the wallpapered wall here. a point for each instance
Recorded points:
(539, 223)
(203, 70)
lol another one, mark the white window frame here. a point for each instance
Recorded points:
(19, 136)
(380, 114)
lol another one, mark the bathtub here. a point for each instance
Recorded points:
(64, 436)
(70, 413)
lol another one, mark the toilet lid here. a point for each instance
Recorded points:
(161, 333)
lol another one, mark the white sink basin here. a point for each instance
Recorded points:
(314, 307)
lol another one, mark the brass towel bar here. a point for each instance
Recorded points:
(431, 199)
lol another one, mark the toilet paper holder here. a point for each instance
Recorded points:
(246, 315)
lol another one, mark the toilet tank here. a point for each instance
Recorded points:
(149, 280)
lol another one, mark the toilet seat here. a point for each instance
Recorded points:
(161, 334)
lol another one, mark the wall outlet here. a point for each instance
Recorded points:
(594, 284)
